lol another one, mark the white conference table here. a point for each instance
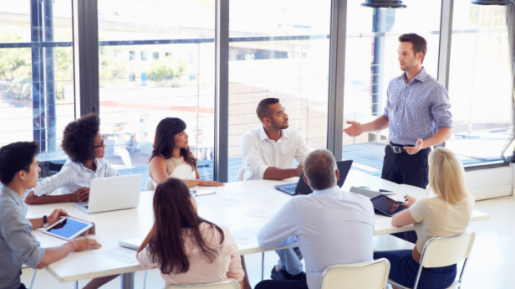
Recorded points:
(113, 227)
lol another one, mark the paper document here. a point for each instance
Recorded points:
(262, 212)
(221, 204)
(245, 235)
(122, 254)
(256, 194)
(114, 251)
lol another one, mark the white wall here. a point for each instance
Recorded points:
(491, 183)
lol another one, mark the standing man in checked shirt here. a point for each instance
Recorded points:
(417, 113)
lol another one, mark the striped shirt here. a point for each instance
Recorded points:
(417, 109)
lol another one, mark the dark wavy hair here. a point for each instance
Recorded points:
(79, 138)
(15, 157)
(173, 214)
(164, 140)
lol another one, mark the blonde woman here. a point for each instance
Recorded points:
(446, 214)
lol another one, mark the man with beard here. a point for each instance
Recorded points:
(417, 114)
(268, 153)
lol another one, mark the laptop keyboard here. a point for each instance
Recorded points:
(290, 189)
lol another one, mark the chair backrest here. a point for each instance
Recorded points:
(226, 284)
(241, 172)
(367, 275)
(446, 251)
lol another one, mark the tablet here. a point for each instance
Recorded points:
(387, 206)
(67, 228)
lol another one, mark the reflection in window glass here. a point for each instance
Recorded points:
(136, 95)
(371, 62)
(480, 82)
(293, 69)
(36, 82)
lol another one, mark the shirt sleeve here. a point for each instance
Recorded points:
(59, 180)
(387, 105)
(252, 159)
(419, 210)
(110, 171)
(441, 109)
(282, 229)
(235, 269)
(17, 233)
(145, 259)
(302, 148)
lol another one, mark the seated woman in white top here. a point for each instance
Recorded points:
(186, 248)
(446, 214)
(171, 157)
(85, 148)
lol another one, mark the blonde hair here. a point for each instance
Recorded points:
(446, 176)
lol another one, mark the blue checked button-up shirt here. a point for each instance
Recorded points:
(17, 244)
(417, 109)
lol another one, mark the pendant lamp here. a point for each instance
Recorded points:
(383, 4)
(494, 2)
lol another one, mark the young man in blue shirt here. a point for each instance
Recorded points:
(18, 173)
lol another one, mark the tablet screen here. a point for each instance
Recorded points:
(386, 205)
(67, 228)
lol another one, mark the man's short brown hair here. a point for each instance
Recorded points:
(419, 43)
(263, 109)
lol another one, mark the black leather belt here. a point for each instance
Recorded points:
(397, 148)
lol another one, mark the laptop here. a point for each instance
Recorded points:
(369, 191)
(112, 194)
(301, 188)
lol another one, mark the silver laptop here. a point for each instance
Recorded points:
(111, 194)
(370, 192)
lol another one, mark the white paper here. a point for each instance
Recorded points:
(115, 251)
(245, 235)
(256, 194)
(122, 254)
(262, 212)
(221, 204)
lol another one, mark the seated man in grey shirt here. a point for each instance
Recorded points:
(18, 173)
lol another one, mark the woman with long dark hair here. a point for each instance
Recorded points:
(186, 248)
(172, 157)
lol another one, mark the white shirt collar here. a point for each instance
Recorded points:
(330, 190)
(263, 135)
(97, 162)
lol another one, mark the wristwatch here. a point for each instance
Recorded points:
(45, 222)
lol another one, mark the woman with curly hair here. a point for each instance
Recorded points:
(85, 148)
(172, 157)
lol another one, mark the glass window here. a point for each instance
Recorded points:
(36, 80)
(136, 95)
(480, 82)
(279, 50)
(370, 64)
(156, 55)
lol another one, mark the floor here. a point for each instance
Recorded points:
(491, 263)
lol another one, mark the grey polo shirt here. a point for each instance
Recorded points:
(17, 244)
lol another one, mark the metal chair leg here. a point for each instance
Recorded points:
(33, 278)
(145, 280)
(76, 285)
(262, 266)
